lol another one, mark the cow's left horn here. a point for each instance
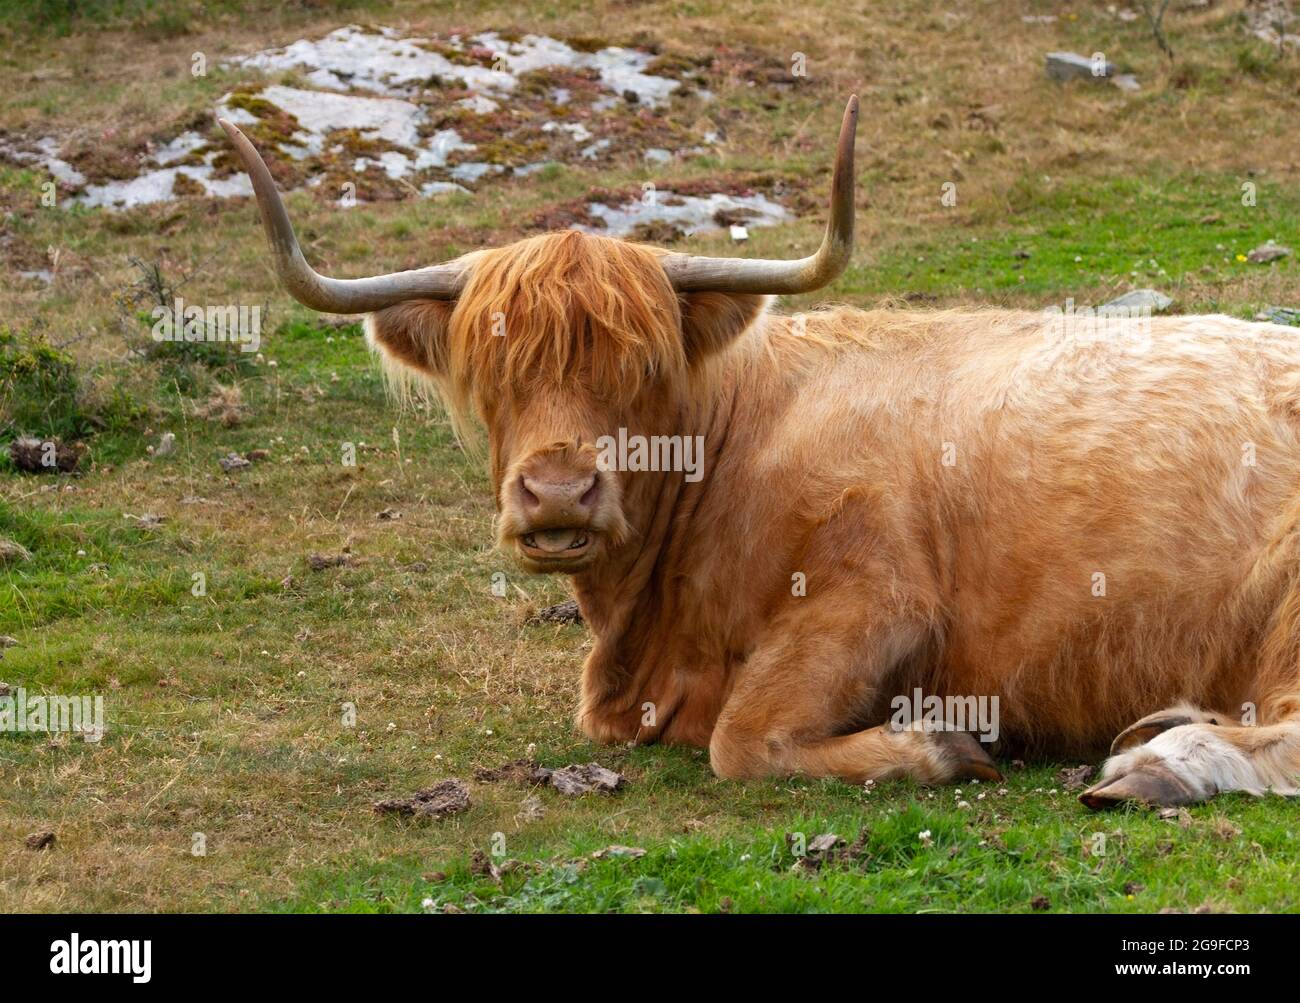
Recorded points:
(317, 291)
(691, 273)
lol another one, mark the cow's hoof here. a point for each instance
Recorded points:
(1141, 732)
(965, 756)
(1150, 783)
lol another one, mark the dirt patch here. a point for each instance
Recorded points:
(1075, 778)
(442, 800)
(572, 780)
(46, 456)
(40, 841)
(565, 612)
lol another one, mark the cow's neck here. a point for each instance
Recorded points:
(634, 605)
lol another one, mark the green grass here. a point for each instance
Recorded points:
(223, 717)
(1048, 240)
(225, 710)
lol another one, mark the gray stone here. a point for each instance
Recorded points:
(1139, 299)
(1265, 253)
(1072, 66)
(1287, 315)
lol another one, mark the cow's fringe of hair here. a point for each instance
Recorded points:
(594, 311)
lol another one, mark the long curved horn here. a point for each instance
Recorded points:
(690, 273)
(317, 291)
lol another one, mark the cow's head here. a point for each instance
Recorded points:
(558, 340)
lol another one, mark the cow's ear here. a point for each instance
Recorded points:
(712, 321)
(413, 333)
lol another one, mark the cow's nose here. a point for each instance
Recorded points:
(549, 501)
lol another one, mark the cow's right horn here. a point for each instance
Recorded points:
(695, 273)
(317, 291)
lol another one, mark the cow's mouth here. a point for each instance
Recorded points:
(557, 546)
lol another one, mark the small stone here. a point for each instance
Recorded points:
(1139, 299)
(1265, 253)
(1289, 316)
(1072, 66)
(232, 462)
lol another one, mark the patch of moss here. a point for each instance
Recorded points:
(185, 186)
(587, 43)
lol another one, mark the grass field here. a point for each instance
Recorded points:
(226, 709)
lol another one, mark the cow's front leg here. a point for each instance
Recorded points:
(818, 670)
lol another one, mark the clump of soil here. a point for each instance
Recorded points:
(45, 456)
(225, 405)
(319, 562)
(564, 612)
(830, 848)
(40, 840)
(442, 800)
(571, 780)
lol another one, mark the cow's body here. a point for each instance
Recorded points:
(1090, 526)
(954, 486)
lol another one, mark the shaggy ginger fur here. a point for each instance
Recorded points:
(1087, 529)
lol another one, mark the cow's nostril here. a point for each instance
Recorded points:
(527, 495)
(589, 496)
